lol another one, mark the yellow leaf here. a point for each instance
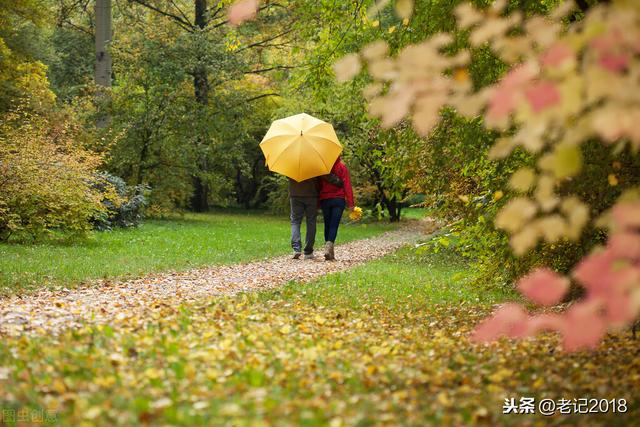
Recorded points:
(515, 214)
(552, 227)
(522, 179)
(443, 399)
(347, 67)
(105, 381)
(577, 214)
(285, 329)
(500, 375)
(375, 50)
(526, 239)
(152, 373)
(371, 91)
(93, 413)
(545, 193)
(502, 148)
(212, 374)
(404, 8)
(613, 180)
(230, 410)
(58, 386)
(567, 160)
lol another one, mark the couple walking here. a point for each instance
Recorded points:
(333, 193)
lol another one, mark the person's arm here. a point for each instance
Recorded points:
(348, 191)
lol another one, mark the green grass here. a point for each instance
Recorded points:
(404, 280)
(158, 245)
(414, 213)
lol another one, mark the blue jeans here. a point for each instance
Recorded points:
(332, 212)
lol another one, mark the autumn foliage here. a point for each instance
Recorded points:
(567, 84)
(47, 176)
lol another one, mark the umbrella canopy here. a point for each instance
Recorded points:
(301, 147)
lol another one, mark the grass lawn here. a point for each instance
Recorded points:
(158, 245)
(401, 281)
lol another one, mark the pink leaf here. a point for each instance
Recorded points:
(583, 327)
(542, 95)
(618, 309)
(625, 245)
(501, 323)
(519, 76)
(545, 322)
(608, 41)
(626, 215)
(543, 286)
(614, 62)
(505, 97)
(556, 55)
(603, 272)
(531, 326)
(242, 11)
(502, 103)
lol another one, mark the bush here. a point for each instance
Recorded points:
(124, 210)
(46, 176)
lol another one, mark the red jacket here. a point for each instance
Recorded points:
(330, 191)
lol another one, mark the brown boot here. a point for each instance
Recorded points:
(328, 251)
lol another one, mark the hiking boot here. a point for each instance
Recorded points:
(309, 256)
(296, 255)
(328, 251)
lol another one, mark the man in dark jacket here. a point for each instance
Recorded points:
(303, 196)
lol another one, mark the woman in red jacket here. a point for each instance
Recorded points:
(335, 194)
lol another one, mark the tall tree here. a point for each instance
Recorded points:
(103, 58)
(214, 58)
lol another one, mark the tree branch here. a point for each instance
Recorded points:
(262, 42)
(276, 67)
(182, 14)
(254, 98)
(184, 24)
(264, 95)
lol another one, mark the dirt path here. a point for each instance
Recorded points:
(49, 311)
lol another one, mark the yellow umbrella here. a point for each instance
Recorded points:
(301, 147)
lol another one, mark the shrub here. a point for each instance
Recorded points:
(123, 210)
(46, 176)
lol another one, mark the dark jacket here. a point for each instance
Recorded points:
(307, 188)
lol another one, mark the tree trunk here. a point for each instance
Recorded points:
(102, 70)
(393, 207)
(199, 201)
(200, 198)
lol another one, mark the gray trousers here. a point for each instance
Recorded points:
(303, 206)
